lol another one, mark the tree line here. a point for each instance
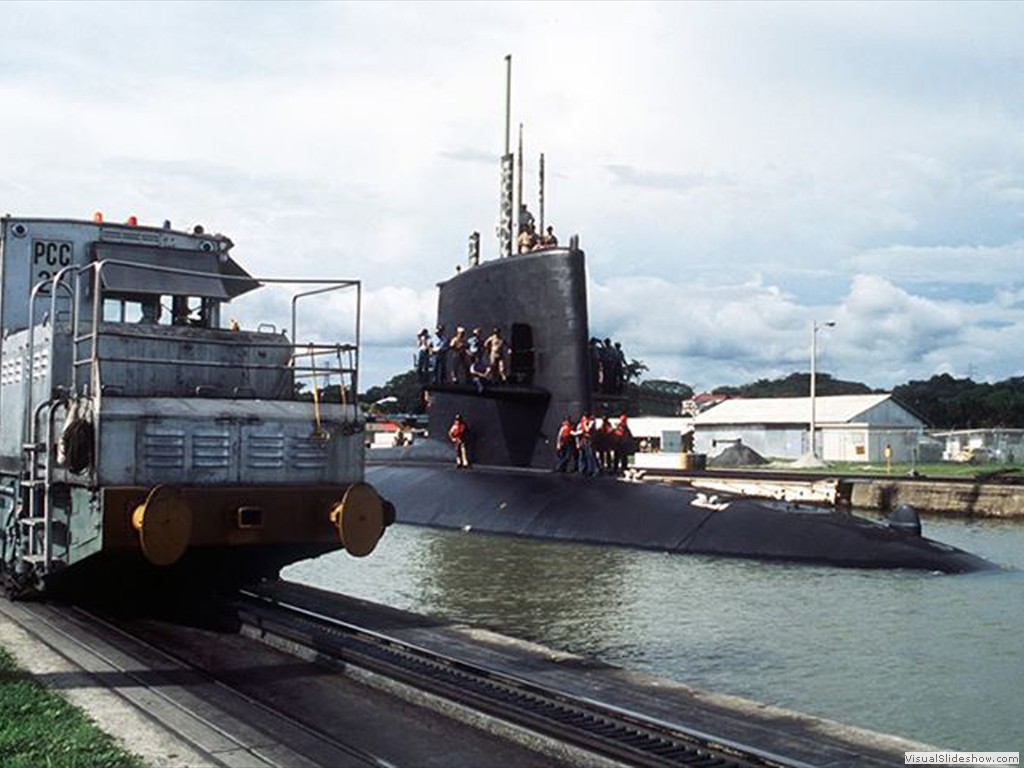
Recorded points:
(942, 402)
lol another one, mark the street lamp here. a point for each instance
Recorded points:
(374, 408)
(814, 375)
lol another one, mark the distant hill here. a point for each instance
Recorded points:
(948, 403)
(797, 385)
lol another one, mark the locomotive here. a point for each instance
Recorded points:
(145, 438)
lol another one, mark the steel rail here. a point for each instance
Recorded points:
(144, 682)
(604, 729)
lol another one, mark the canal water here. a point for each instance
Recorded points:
(935, 658)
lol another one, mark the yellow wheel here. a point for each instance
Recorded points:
(359, 517)
(164, 523)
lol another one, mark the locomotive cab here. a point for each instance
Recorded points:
(139, 433)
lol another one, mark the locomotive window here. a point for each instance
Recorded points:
(190, 310)
(137, 309)
(115, 310)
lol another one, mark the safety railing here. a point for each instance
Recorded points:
(318, 372)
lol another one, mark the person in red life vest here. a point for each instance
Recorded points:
(566, 446)
(604, 445)
(625, 446)
(587, 461)
(457, 434)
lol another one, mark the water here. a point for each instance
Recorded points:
(931, 657)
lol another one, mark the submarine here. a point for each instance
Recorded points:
(539, 302)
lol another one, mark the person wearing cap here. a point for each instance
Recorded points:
(625, 445)
(459, 346)
(423, 350)
(440, 356)
(457, 434)
(475, 346)
(565, 446)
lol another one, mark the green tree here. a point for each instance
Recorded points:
(405, 388)
(945, 402)
(634, 369)
(797, 385)
(657, 397)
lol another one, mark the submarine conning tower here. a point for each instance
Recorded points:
(538, 300)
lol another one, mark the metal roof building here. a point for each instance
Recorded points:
(848, 427)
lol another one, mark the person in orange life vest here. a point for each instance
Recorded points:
(566, 446)
(457, 434)
(604, 444)
(625, 446)
(587, 462)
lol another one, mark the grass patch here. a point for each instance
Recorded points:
(937, 470)
(41, 729)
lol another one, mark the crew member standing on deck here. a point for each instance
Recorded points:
(625, 445)
(423, 352)
(495, 348)
(566, 446)
(548, 239)
(440, 356)
(457, 434)
(586, 460)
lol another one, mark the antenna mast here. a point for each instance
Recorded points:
(540, 201)
(505, 236)
(520, 214)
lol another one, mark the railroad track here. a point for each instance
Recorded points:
(167, 704)
(595, 728)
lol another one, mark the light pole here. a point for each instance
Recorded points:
(374, 409)
(814, 375)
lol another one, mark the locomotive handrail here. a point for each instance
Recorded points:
(97, 330)
(359, 313)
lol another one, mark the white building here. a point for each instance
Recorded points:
(848, 427)
(982, 445)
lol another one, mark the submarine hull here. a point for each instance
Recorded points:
(538, 302)
(604, 510)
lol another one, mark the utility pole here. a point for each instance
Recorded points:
(814, 376)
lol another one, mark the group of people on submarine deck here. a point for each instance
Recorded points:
(529, 240)
(608, 368)
(593, 446)
(590, 446)
(465, 358)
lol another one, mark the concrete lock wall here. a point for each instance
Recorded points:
(980, 499)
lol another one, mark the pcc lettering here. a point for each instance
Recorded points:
(48, 258)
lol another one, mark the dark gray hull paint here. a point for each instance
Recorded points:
(560, 507)
(516, 425)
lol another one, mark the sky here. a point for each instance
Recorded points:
(737, 172)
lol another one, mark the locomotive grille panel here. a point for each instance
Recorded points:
(211, 450)
(307, 453)
(40, 365)
(11, 372)
(265, 452)
(164, 449)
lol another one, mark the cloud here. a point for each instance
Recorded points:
(710, 335)
(735, 171)
(676, 182)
